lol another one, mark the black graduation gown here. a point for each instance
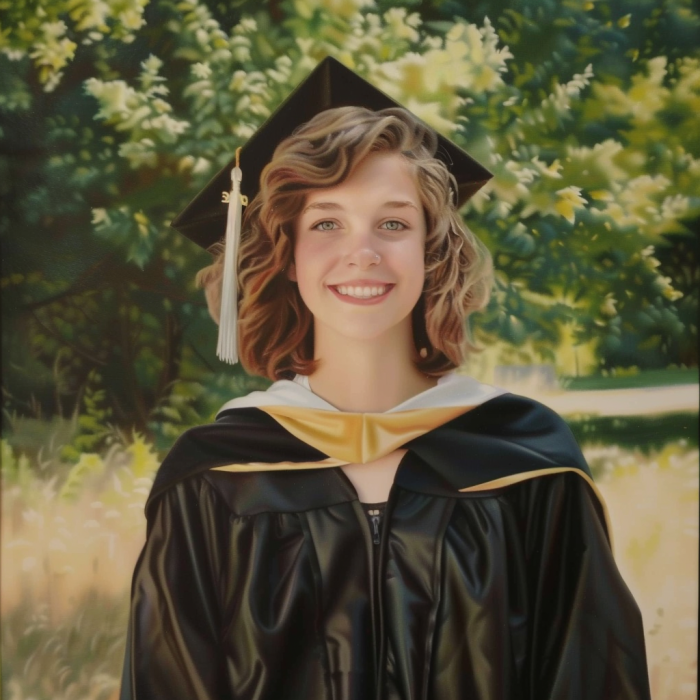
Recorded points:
(267, 585)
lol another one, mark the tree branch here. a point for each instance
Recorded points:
(77, 350)
(74, 288)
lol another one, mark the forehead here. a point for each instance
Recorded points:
(387, 176)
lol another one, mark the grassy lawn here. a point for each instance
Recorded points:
(644, 433)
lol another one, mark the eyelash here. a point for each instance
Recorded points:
(402, 226)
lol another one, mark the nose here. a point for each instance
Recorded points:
(363, 258)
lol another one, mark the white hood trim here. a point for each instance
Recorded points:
(451, 390)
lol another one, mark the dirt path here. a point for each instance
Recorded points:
(622, 402)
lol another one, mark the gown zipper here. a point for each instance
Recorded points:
(377, 542)
(375, 513)
(376, 518)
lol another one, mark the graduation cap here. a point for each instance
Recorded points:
(207, 218)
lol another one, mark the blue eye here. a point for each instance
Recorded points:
(393, 226)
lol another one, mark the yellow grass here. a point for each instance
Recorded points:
(653, 505)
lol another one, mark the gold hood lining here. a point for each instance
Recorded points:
(354, 438)
(524, 476)
(274, 466)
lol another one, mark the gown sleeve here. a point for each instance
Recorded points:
(586, 635)
(173, 649)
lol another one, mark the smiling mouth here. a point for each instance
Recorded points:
(370, 300)
(364, 292)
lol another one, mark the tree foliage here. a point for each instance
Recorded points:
(115, 114)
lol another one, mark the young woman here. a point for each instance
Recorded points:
(374, 525)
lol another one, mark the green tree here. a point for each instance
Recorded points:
(114, 116)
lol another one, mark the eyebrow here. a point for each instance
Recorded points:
(327, 206)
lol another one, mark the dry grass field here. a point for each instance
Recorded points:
(68, 550)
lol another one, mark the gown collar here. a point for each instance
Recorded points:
(349, 437)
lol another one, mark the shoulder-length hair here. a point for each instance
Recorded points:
(275, 328)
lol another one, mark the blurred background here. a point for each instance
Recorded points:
(113, 115)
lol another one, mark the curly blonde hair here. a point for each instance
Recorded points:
(275, 327)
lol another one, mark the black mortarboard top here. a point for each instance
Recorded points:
(329, 85)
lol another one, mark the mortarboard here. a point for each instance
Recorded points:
(206, 218)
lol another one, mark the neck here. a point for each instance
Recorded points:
(367, 376)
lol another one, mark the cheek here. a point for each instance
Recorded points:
(418, 267)
(312, 256)
(301, 264)
(415, 262)
(307, 263)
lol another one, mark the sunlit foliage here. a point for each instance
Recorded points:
(115, 114)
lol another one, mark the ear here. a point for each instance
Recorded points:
(292, 272)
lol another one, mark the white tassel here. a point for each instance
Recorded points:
(227, 348)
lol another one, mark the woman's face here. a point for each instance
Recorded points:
(359, 238)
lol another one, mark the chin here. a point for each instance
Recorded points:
(362, 331)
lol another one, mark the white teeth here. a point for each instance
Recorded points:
(361, 292)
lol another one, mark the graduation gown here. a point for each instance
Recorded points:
(487, 574)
